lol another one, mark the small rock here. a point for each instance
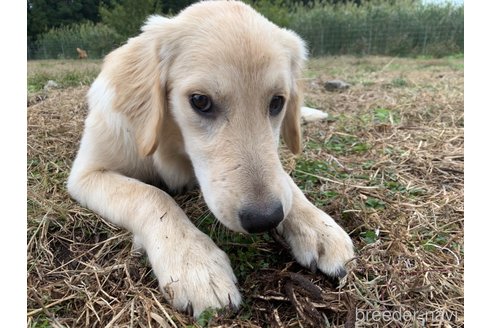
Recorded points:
(334, 85)
(50, 85)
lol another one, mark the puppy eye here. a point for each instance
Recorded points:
(276, 105)
(201, 103)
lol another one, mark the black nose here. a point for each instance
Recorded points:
(261, 218)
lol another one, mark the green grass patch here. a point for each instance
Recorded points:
(244, 250)
(385, 116)
(375, 203)
(369, 236)
(436, 242)
(399, 82)
(311, 170)
(41, 322)
(379, 115)
(345, 144)
(322, 198)
(65, 73)
(37, 81)
(367, 83)
(309, 175)
(206, 316)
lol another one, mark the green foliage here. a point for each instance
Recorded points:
(206, 316)
(309, 174)
(438, 241)
(64, 73)
(374, 203)
(61, 43)
(36, 82)
(380, 27)
(374, 27)
(399, 82)
(345, 144)
(308, 170)
(244, 250)
(127, 16)
(43, 15)
(277, 11)
(369, 237)
(41, 322)
(386, 116)
(173, 7)
(247, 259)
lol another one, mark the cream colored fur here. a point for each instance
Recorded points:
(141, 131)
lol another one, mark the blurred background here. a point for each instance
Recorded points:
(433, 28)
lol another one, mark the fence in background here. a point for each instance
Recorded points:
(405, 30)
(62, 43)
(66, 50)
(382, 29)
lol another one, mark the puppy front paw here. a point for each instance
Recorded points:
(194, 274)
(317, 241)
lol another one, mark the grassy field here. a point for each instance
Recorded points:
(387, 165)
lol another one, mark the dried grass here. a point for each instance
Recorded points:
(395, 182)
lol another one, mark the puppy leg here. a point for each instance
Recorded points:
(193, 272)
(316, 240)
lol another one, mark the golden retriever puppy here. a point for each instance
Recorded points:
(202, 98)
(82, 53)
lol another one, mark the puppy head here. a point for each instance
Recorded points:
(231, 86)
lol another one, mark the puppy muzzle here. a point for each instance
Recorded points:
(261, 217)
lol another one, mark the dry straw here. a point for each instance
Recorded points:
(388, 167)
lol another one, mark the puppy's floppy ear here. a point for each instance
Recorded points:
(291, 126)
(138, 72)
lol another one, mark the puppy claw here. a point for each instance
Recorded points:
(340, 273)
(231, 305)
(189, 309)
(313, 267)
(338, 278)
